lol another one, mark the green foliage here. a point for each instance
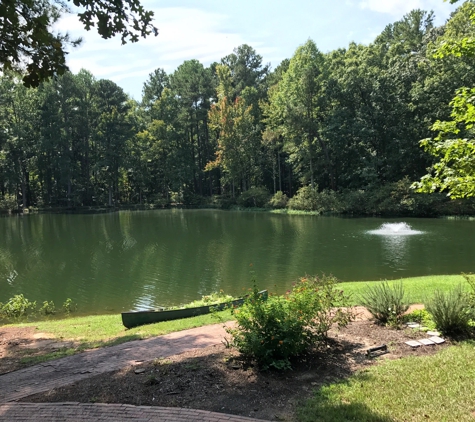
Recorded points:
(470, 279)
(273, 331)
(33, 46)
(48, 308)
(69, 306)
(385, 302)
(278, 200)
(306, 199)
(421, 316)
(8, 203)
(17, 307)
(451, 311)
(254, 197)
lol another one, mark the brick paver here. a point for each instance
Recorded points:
(77, 412)
(57, 373)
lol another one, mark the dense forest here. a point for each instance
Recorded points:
(337, 131)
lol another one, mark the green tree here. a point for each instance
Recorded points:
(28, 43)
(454, 144)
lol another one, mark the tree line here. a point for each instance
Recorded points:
(348, 122)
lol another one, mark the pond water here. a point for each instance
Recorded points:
(137, 260)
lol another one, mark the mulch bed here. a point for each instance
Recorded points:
(216, 379)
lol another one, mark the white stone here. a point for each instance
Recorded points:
(433, 333)
(414, 325)
(426, 341)
(413, 343)
(437, 340)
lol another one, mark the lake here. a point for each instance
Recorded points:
(137, 260)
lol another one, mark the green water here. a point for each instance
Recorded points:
(136, 260)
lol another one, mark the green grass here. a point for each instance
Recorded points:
(107, 330)
(417, 289)
(438, 388)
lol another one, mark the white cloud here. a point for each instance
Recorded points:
(399, 8)
(183, 34)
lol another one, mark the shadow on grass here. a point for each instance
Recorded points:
(324, 411)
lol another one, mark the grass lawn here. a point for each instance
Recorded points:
(417, 289)
(107, 330)
(434, 388)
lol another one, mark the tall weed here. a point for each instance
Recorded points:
(451, 311)
(385, 302)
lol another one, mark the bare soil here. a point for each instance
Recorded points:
(17, 344)
(217, 379)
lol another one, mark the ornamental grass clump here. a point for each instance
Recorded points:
(385, 302)
(452, 311)
(273, 331)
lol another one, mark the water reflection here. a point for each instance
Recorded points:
(395, 250)
(132, 260)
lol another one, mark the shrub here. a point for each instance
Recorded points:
(451, 311)
(18, 307)
(421, 316)
(306, 199)
(385, 302)
(69, 306)
(279, 200)
(254, 197)
(8, 203)
(274, 330)
(48, 308)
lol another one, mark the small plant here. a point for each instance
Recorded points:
(152, 380)
(69, 306)
(48, 308)
(18, 307)
(274, 330)
(385, 302)
(421, 316)
(470, 279)
(451, 311)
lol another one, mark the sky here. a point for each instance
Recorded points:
(208, 30)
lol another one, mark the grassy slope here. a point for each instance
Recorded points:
(100, 330)
(107, 330)
(438, 388)
(418, 289)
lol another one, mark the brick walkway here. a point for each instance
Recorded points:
(68, 412)
(65, 371)
(57, 373)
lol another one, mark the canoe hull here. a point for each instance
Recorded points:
(135, 319)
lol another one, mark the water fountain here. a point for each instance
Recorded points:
(395, 229)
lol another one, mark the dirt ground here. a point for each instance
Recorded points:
(217, 379)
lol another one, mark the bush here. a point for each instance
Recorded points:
(385, 302)
(17, 307)
(254, 197)
(451, 311)
(421, 316)
(274, 330)
(306, 199)
(48, 308)
(8, 203)
(69, 306)
(279, 200)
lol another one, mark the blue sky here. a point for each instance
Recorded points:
(208, 30)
